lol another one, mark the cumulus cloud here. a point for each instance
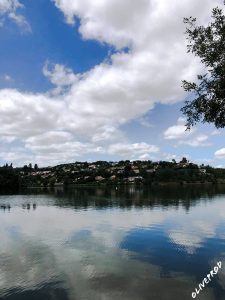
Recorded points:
(101, 21)
(137, 150)
(25, 114)
(220, 154)
(200, 140)
(191, 138)
(7, 6)
(17, 154)
(93, 105)
(10, 9)
(178, 131)
(59, 75)
(63, 146)
(106, 134)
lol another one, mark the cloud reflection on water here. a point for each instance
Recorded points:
(101, 253)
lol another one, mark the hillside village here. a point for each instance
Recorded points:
(122, 172)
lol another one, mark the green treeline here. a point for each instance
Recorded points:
(103, 172)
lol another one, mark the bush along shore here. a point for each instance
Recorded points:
(114, 173)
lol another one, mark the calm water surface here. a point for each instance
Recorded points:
(92, 243)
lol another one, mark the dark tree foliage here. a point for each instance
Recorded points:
(207, 43)
(9, 179)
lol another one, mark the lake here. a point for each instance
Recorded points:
(101, 243)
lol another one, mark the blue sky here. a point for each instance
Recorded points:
(84, 80)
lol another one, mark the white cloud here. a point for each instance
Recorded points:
(61, 146)
(25, 114)
(200, 140)
(7, 139)
(216, 132)
(178, 131)
(59, 75)
(50, 138)
(220, 154)
(18, 154)
(9, 5)
(58, 146)
(107, 133)
(170, 157)
(93, 105)
(191, 137)
(10, 9)
(101, 21)
(132, 151)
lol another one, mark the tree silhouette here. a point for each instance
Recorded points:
(207, 43)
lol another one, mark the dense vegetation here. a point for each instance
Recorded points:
(9, 178)
(102, 172)
(207, 43)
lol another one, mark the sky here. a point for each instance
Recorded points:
(100, 80)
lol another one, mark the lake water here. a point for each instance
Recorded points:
(101, 243)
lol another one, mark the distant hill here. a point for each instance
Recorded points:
(114, 173)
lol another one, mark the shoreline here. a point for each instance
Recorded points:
(153, 184)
